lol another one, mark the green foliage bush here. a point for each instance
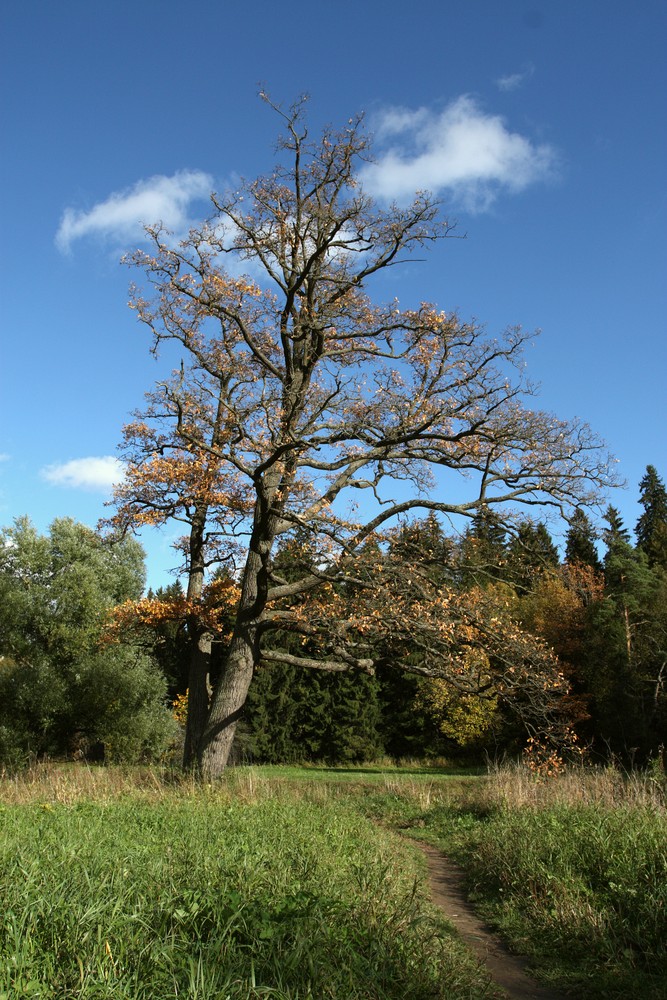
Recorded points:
(111, 700)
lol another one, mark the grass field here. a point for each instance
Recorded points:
(290, 883)
(572, 871)
(122, 889)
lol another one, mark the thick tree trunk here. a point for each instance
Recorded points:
(232, 688)
(200, 646)
(227, 707)
(198, 693)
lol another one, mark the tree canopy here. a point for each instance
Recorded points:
(61, 691)
(303, 406)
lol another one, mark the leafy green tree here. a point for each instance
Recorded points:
(651, 527)
(57, 588)
(59, 690)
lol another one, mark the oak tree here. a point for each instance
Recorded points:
(302, 405)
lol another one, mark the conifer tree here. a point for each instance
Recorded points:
(616, 530)
(627, 661)
(531, 552)
(580, 542)
(651, 527)
(484, 550)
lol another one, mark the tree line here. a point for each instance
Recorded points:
(71, 685)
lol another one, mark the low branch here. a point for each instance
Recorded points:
(332, 666)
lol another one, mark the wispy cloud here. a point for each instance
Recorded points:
(123, 214)
(96, 474)
(514, 80)
(460, 150)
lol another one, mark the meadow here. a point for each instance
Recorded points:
(302, 884)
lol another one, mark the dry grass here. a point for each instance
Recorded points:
(516, 787)
(69, 783)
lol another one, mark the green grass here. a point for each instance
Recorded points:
(288, 882)
(572, 871)
(365, 773)
(152, 892)
(584, 888)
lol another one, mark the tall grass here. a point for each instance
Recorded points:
(573, 870)
(122, 885)
(516, 787)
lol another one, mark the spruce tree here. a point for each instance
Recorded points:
(627, 638)
(616, 531)
(651, 527)
(580, 542)
(530, 552)
(484, 550)
(423, 542)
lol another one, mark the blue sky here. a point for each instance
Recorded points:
(541, 126)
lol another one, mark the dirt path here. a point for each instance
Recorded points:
(507, 970)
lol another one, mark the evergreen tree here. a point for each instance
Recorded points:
(651, 527)
(406, 729)
(626, 655)
(530, 553)
(270, 714)
(350, 734)
(304, 715)
(616, 531)
(422, 542)
(297, 714)
(483, 551)
(580, 542)
(168, 641)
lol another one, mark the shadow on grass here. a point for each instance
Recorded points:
(364, 771)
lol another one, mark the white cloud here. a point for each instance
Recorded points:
(123, 214)
(514, 80)
(460, 150)
(98, 474)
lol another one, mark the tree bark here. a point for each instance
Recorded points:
(200, 645)
(227, 707)
(232, 688)
(198, 694)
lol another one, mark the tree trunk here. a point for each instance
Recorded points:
(232, 688)
(200, 645)
(227, 707)
(200, 660)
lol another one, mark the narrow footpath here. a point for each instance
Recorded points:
(508, 971)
